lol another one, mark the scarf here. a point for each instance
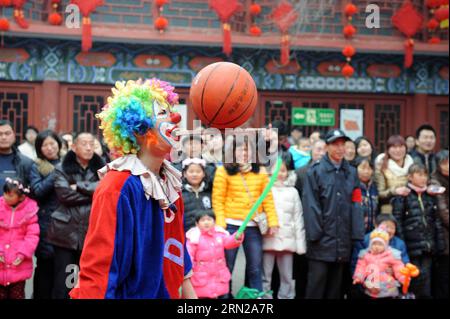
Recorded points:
(245, 168)
(44, 167)
(394, 167)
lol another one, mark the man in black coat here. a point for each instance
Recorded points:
(75, 182)
(12, 162)
(333, 218)
(423, 153)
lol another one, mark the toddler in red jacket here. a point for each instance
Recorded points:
(206, 244)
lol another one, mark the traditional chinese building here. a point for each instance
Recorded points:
(47, 81)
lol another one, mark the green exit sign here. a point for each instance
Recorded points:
(314, 117)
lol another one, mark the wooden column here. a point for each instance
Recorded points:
(49, 108)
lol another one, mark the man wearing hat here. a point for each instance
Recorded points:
(333, 218)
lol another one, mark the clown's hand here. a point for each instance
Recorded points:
(2, 259)
(18, 260)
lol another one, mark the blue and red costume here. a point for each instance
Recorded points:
(132, 249)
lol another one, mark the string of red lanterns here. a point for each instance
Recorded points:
(161, 23)
(255, 9)
(349, 31)
(55, 17)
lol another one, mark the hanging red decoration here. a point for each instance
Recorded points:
(4, 24)
(86, 8)
(18, 14)
(255, 31)
(284, 17)
(225, 9)
(55, 18)
(160, 3)
(255, 9)
(434, 40)
(408, 21)
(441, 14)
(431, 4)
(348, 70)
(350, 10)
(5, 3)
(433, 24)
(349, 31)
(161, 23)
(349, 51)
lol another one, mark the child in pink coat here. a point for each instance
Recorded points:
(206, 244)
(19, 236)
(379, 267)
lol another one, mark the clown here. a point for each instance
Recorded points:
(135, 245)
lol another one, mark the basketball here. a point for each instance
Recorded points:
(223, 95)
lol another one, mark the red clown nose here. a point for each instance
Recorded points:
(175, 118)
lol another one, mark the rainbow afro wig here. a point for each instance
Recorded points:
(130, 112)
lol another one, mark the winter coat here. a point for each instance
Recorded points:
(300, 158)
(19, 235)
(419, 158)
(69, 222)
(42, 179)
(395, 243)
(195, 201)
(442, 203)
(211, 275)
(369, 205)
(291, 234)
(390, 179)
(230, 198)
(380, 270)
(420, 229)
(333, 217)
(22, 165)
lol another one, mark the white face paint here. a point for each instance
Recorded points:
(164, 126)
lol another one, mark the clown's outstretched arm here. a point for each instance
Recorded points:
(188, 291)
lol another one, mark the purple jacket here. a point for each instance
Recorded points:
(19, 236)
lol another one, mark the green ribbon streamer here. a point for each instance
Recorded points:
(261, 198)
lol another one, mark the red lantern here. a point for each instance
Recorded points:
(255, 9)
(441, 14)
(255, 31)
(161, 23)
(55, 18)
(349, 31)
(432, 3)
(4, 24)
(348, 70)
(160, 3)
(225, 9)
(284, 16)
(432, 24)
(349, 51)
(86, 8)
(350, 10)
(434, 40)
(18, 13)
(5, 3)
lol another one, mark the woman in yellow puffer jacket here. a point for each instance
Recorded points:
(236, 188)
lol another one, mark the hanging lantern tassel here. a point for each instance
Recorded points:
(86, 37)
(20, 19)
(409, 52)
(226, 38)
(285, 50)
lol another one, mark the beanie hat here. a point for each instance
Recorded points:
(380, 235)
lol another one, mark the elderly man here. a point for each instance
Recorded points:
(333, 218)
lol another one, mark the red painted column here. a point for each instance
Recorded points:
(49, 106)
(419, 114)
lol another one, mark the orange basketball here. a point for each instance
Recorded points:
(223, 95)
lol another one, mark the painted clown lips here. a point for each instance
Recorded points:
(169, 132)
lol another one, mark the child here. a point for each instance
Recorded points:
(369, 191)
(379, 267)
(420, 227)
(19, 236)
(206, 243)
(289, 239)
(301, 153)
(196, 190)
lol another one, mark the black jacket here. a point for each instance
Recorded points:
(193, 202)
(42, 179)
(420, 229)
(419, 158)
(22, 165)
(301, 176)
(332, 218)
(69, 222)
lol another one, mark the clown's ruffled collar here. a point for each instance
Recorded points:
(166, 190)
